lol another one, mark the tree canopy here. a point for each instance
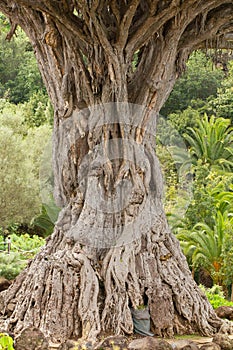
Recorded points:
(94, 30)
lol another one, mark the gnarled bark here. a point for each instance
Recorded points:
(111, 248)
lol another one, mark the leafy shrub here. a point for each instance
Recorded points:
(11, 265)
(38, 110)
(6, 342)
(21, 150)
(215, 296)
(23, 248)
(26, 244)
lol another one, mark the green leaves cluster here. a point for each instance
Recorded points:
(6, 342)
(211, 143)
(47, 217)
(205, 245)
(11, 265)
(222, 104)
(23, 247)
(203, 88)
(215, 296)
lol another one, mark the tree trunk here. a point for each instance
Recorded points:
(111, 249)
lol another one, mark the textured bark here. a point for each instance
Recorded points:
(107, 256)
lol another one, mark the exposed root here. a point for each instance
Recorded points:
(87, 306)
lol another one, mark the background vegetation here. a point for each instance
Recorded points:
(200, 109)
(25, 129)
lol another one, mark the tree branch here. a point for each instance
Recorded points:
(182, 13)
(155, 20)
(12, 30)
(115, 10)
(102, 36)
(164, 47)
(216, 20)
(90, 15)
(73, 23)
(126, 22)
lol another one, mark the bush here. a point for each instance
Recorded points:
(11, 265)
(26, 244)
(215, 296)
(23, 248)
(20, 156)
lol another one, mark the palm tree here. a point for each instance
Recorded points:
(212, 143)
(223, 200)
(205, 245)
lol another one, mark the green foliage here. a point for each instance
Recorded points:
(135, 60)
(211, 148)
(38, 110)
(19, 74)
(18, 192)
(206, 244)
(11, 265)
(211, 156)
(47, 218)
(205, 230)
(202, 204)
(23, 247)
(215, 296)
(20, 156)
(170, 175)
(209, 242)
(4, 24)
(6, 342)
(222, 194)
(196, 85)
(211, 151)
(182, 120)
(211, 142)
(36, 144)
(227, 253)
(26, 244)
(11, 117)
(167, 135)
(222, 104)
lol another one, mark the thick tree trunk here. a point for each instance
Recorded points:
(111, 249)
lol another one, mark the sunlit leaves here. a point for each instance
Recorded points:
(212, 143)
